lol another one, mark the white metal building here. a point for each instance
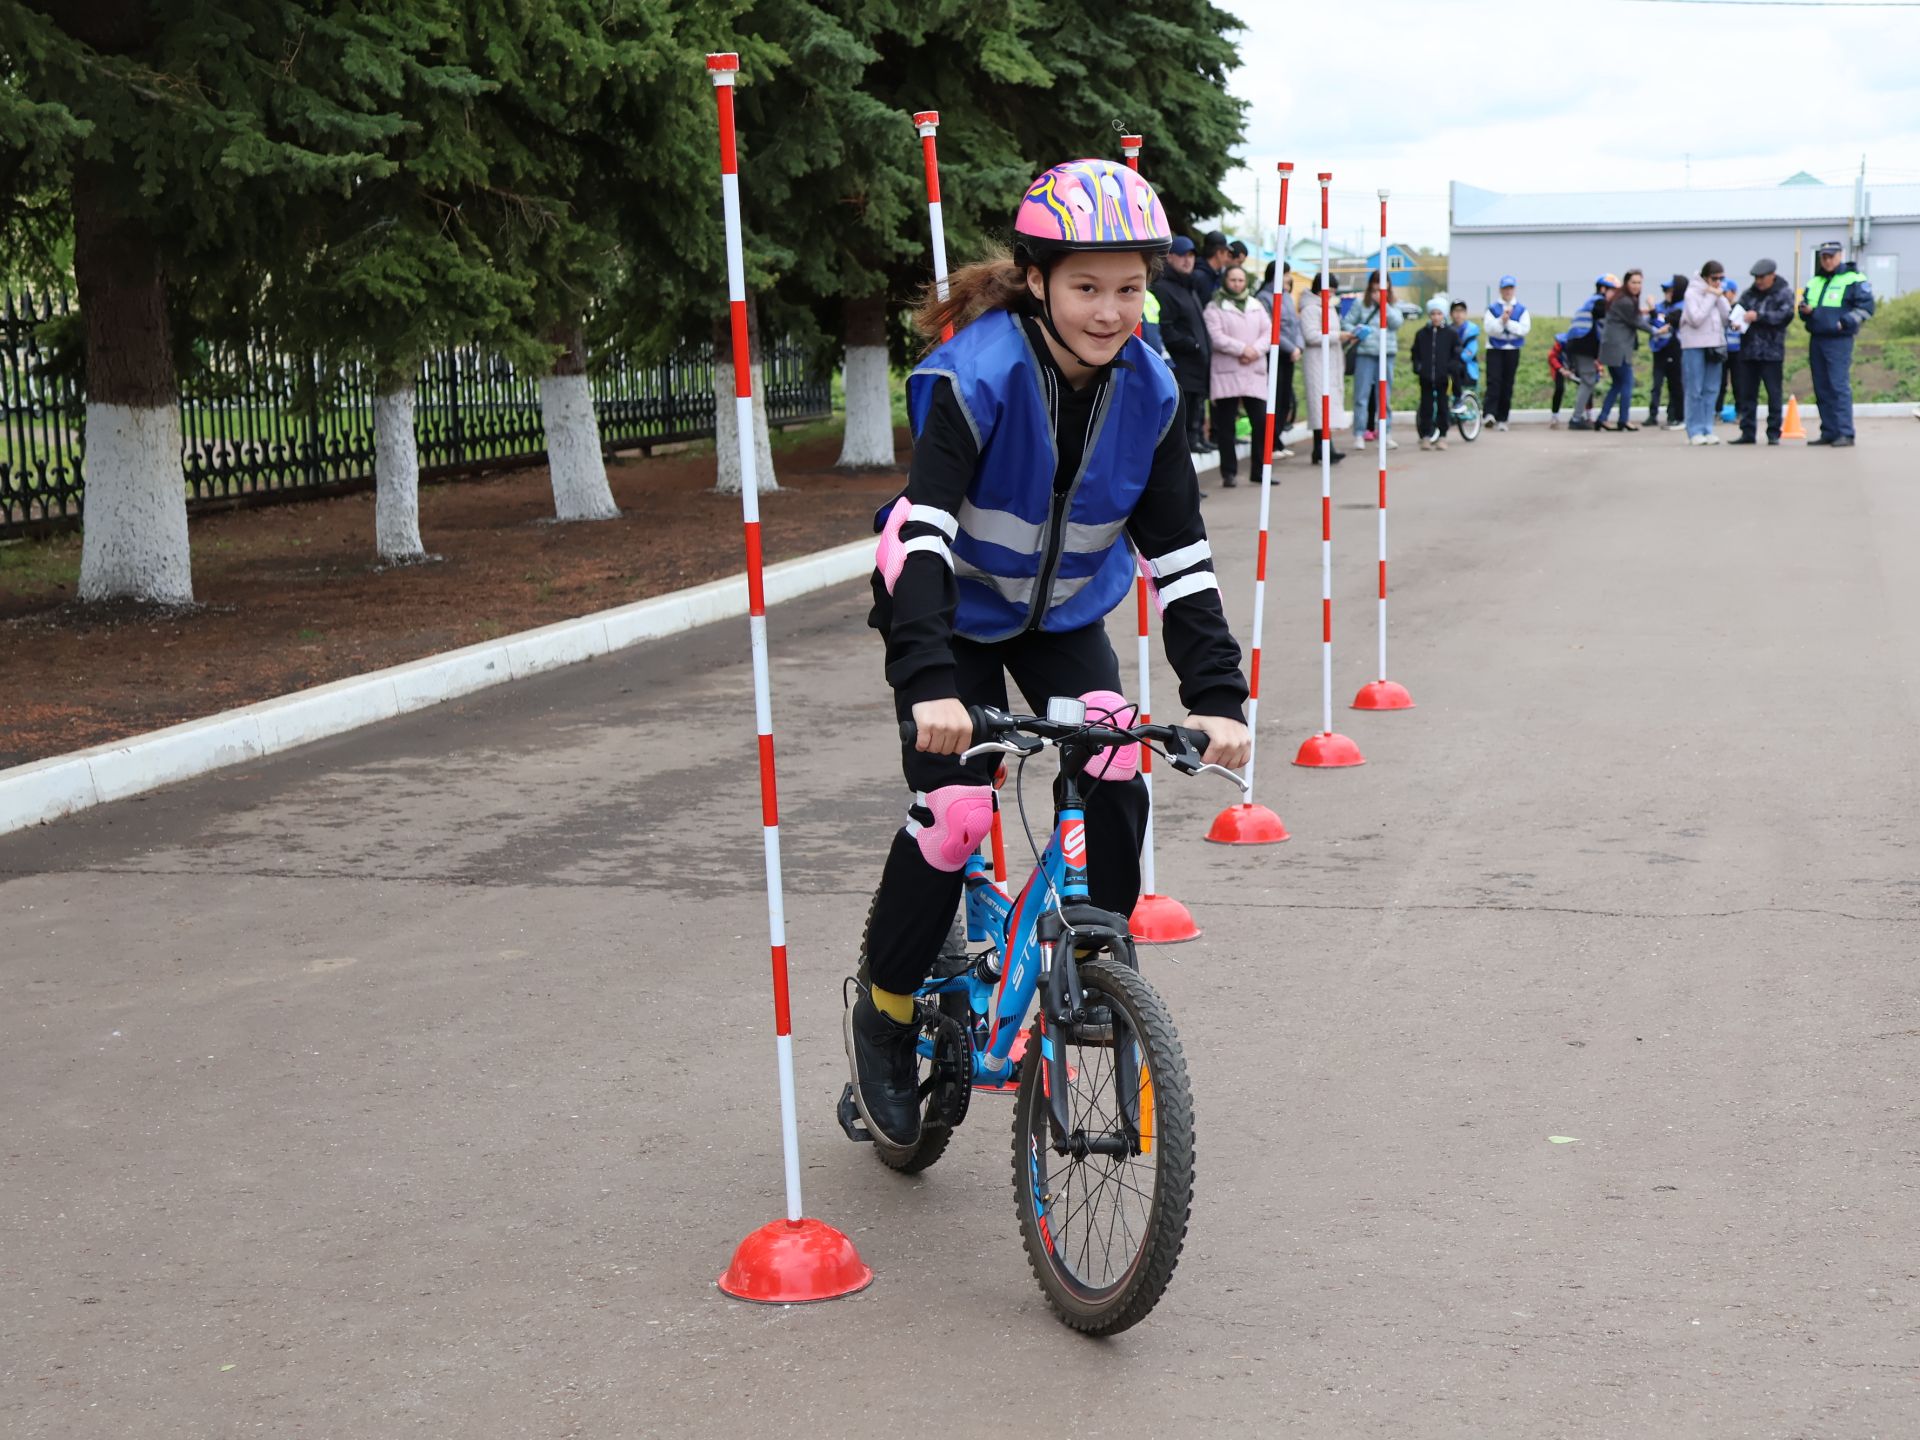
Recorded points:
(1556, 244)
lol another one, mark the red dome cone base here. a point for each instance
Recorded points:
(1383, 695)
(1162, 920)
(795, 1262)
(1328, 751)
(1247, 825)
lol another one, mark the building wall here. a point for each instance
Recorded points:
(1571, 258)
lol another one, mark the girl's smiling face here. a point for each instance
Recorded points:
(1097, 298)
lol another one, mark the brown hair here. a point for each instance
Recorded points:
(992, 283)
(995, 283)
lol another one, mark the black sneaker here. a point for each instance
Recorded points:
(1842, 442)
(1822, 440)
(1744, 440)
(886, 1073)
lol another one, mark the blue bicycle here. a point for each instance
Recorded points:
(1102, 1113)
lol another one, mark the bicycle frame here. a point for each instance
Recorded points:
(1026, 934)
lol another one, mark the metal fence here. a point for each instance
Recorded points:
(259, 424)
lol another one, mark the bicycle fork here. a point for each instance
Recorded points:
(1061, 1009)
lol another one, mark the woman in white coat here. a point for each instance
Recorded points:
(1314, 370)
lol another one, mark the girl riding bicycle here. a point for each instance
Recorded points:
(1049, 450)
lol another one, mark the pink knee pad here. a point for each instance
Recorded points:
(1115, 762)
(890, 555)
(962, 816)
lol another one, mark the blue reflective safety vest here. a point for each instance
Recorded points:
(1024, 558)
(1504, 341)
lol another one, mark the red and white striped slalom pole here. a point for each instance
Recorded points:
(792, 1260)
(927, 123)
(1248, 823)
(1326, 750)
(1383, 694)
(1157, 918)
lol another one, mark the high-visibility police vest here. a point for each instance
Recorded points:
(1151, 314)
(1022, 557)
(1831, 290)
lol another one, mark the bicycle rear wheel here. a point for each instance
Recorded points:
(935, 1133)
(1470, 416)
(1104, 1232)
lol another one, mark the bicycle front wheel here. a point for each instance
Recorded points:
(1470, 417)
(1103, 1231)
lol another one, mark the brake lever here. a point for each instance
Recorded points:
(1190, 764)
(1019, 745)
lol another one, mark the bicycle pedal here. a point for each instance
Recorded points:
(849, 1116)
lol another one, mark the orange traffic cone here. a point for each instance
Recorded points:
(1793, 429)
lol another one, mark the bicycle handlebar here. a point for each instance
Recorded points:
(1184, 746)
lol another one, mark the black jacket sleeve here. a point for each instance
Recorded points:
(1166, 529)
(917, 618)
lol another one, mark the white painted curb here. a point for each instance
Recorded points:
(62, 784)
(48, 789)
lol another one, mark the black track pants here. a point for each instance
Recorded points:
(916, 901)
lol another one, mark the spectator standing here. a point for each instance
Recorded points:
(1583, 348)
(1315, 379)
(1436, 362)
(1468, 375)
(1214, 259)
(1833, 307)
(1703, 353)
(1239, 328)
(1559, 368)
(1183, 330)
(1736, 328)
(1768, 304)
(1625, 324)
(1280, 293)
(1507, 323)
(1666, 356)
(1372, 349)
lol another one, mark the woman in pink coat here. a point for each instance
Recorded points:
(1239, 327)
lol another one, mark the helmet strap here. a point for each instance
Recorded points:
(1046, 317)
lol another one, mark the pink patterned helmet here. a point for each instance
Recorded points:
(1089, 205)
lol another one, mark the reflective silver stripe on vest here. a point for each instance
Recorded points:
(933, 515)
(1014, 589)
(1192, 585)
(1065, 590)
(1091, 539)
(1175, 561)
(1000, 527)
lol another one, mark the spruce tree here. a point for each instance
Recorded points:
(175, 135)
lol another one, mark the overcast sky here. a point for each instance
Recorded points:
(1539, 96)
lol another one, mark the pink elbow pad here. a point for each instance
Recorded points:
(1153, 585)
(890, 555)
(1120, 762)
(962, 816)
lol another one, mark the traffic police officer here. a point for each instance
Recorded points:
(1833, 307)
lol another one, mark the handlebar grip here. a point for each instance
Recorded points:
(983, 728)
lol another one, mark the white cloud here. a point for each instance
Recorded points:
(1411, 94)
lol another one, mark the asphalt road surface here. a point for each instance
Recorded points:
(421, 1082)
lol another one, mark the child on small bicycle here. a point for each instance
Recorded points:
(1049, 450)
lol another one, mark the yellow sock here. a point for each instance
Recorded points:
(894, 1007)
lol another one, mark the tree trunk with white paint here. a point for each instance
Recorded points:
(134, 545)
(726, 436)
(396, 473)
(574, 460)
(867, 441)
